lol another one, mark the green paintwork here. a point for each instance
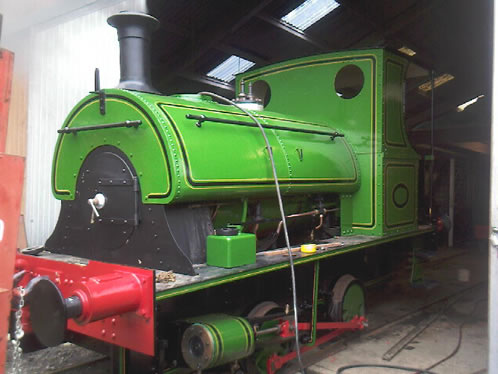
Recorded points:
(393, 102)
(231, 251)
(400, 202)
(353, 302)
(372, 121)
(232, 337)
(177, 161)
(298, 261)
(72, 149)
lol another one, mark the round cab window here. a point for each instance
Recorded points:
(262, 91)
(349, 82)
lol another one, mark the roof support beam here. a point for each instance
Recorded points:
(222, 47)
(206, 80)
(186, 59)
(248, 55)
(452, 136)
(386, 30)
(441, 109)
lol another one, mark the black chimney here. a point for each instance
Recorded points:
(134, 30)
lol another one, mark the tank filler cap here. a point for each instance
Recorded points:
(227, 231)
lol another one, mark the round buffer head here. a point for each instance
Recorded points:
(48, 312)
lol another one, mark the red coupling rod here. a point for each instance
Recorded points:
(275, 362)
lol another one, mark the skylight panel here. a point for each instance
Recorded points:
(438, 81)
(227, 69)
(309, 12)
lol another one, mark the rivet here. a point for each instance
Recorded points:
(103, 332)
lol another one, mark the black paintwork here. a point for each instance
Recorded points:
(128, 232)
(202, 118)
(48, 312)
(134, 30)
(128, 123)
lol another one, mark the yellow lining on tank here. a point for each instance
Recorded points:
(76, 116)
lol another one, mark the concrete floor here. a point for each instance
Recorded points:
(443, 277)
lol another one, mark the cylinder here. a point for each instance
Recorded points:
(216, 339)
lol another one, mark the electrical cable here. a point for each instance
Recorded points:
(395, 367)
(282, 213)
(419, 371)
(460, 337)
(431, 172)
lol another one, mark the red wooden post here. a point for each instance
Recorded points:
(6, 69)
(11, 182)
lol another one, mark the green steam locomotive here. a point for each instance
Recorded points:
(183, 186)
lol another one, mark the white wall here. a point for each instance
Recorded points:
(63, 54)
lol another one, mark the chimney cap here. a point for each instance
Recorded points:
(125, 17)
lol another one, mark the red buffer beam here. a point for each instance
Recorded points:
(108, 302)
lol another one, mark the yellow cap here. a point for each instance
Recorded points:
(308, 248)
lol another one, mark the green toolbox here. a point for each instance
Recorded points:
(229, 248)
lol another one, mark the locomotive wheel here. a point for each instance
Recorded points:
(262, 309)
(256, 364)
(347, 299)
